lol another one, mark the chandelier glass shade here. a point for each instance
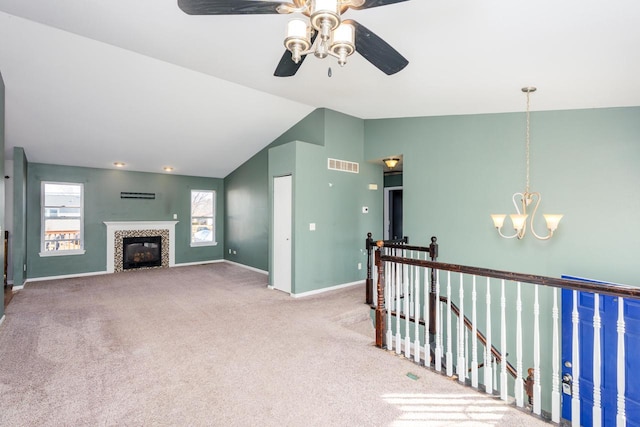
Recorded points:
(526, 202)
(334, 38)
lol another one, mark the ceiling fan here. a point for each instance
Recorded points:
(337, 37)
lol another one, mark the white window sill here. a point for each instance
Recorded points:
(200, 244)
(62, 253)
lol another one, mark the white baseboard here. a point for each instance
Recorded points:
(187, 264)
(17, 288)
(331, 288)
(66, 276)
(257, 270)
(98, 273)
(2, 319)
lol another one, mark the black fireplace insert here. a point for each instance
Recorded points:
(141, 252)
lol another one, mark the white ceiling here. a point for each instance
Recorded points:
(90, 82)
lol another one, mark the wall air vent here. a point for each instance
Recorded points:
(127, 195)
(343, 165)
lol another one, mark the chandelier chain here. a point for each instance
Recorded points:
(527, 141)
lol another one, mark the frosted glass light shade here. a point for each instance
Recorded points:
(552, 221)
(297, 28)
(344, 34)
(518, 221)
(498, 220)
(324, 6)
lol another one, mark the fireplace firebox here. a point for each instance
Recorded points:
(141, 252)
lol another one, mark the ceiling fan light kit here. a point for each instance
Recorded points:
(336, 38)
(321, 30)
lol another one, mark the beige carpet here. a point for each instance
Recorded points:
(211, 345)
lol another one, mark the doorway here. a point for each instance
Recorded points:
(393, 213)
(282, 221)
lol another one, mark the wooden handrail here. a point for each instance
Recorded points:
(600, 288)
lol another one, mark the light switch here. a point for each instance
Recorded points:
(365, 209)
(312, 226)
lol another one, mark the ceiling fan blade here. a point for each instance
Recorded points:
(368, 4)
(228, 7)
(377, 51)
(286, 67)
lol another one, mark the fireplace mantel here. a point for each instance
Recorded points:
(113, 226)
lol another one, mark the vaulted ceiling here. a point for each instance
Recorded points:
(92, 82)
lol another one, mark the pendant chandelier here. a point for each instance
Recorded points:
(527, 201)
(336, 38)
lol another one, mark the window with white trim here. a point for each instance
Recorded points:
(203, 217)
(62, 218)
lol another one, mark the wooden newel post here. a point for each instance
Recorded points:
(369, 282)
(433, 253)
(380, 312)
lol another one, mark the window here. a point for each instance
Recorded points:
(62, 219)
(202, 217)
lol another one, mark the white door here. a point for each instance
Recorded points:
(282, 233)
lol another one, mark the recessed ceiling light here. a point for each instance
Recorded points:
(168, 169)
(119, 164)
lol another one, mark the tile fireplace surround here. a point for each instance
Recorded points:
(116, 230)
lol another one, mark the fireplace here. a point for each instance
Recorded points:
(117, 231)
(140, 252)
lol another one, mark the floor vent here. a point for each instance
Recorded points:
(343, 165)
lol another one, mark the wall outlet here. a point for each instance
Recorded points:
(229, 251)
(175, 216)
(234, 252)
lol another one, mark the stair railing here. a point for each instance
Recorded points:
(424, 332)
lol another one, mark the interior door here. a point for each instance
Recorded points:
(609, 317)
(393, 213)
(282, 222)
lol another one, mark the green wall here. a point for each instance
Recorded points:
(102, 202)
(247, 197)
(460, 169)
(332, 200)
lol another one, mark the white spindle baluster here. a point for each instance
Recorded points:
(494, 369)
(449, 331)
(390, 272)
(621, 414)
(555, 377)
(519, 387)
(597, 360)
(474, 338)
(503, 345)
(374, 279)
(411, 273)
(416, 345)
(407, 310)
(438, 318)
(460, 369)
(536, 353)
(398, 309)
(388, 291)
(427, 320)
(488, 368)
(575, 370)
